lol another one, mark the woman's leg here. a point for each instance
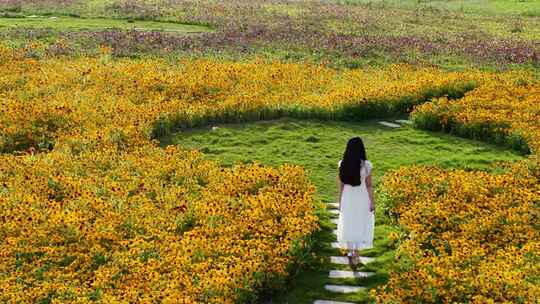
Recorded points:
(350, 252)
(356, 256)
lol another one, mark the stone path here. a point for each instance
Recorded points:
(343, 260)
(340, 273)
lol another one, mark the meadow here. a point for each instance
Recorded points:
(184, 151)
(338, 34)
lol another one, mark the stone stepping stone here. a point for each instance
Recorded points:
(341, 260)
(343, 288)
(330, 302)
(333, 205)
(389, 124)
(346, 274)
(404, 121)
(336, 245)
(334, 211)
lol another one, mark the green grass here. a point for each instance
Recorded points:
(75, 23)
(317, 146)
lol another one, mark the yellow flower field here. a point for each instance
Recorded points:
(504, 108)
(145, 226)
(83, 104)
(92, 207)
(472, 236)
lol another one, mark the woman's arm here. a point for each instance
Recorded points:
(369, 185)
(340, 190)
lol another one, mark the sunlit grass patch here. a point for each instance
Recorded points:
(75, 23)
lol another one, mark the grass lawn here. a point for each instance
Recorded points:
(75, 23)
(318, 146)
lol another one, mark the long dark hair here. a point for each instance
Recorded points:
(353, 158)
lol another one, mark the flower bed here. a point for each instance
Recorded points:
(471, 236)
(92, 208)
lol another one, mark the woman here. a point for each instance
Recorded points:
(356, 205)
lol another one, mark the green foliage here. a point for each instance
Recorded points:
(98, 259)
(185, 221)
(66, 260)
(146, 255)
(95, 295)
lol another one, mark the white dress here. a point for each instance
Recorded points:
(356, 223)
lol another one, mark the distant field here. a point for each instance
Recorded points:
(74, 23)
(515, 19)
(454, 35)
(529, 8)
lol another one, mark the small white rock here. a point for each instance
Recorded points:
(346, 274)
(215, 128)
(341, 260)
(404, 121)
(333, 205)
(389, 124)
(343, 288)
(330, 302)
